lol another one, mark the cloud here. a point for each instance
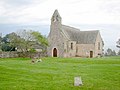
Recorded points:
(84, 14)
(19, 3)
(14, 11)
(72, 11)
(15, 3)
(93, 12)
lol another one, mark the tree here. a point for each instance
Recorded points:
(113, 53)
(119, 52)
(41, 40)
(16, 41)
(26, 40)
(31, 39)
(0, 42)
(118, 43)
(6, 43)
(7, 47)
(110, 52)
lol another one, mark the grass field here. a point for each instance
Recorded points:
(59, 73)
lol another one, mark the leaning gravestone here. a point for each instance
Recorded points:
(77, 81)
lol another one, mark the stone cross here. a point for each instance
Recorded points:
(77, 81)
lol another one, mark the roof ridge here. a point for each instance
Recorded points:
(90, 31)
(71, 27)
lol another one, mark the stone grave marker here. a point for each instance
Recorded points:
(77, 81)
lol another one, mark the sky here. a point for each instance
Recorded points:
(103, 15)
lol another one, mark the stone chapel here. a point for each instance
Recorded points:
(66, 41)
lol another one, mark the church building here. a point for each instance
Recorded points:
(66, 41)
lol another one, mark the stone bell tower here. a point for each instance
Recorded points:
(54, 37)
(56, 18)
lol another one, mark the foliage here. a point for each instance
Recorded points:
(59, 73)
(41, 40)
(0, 42)
(23, 41)
(119, 52)
(113, 53)
(26, 40)
(118, 43)
(32, 39)
(6, 47)
(5, 39)
(6, 44)
(110, 52)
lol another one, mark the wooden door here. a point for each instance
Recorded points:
(91, 54)
(54, 52)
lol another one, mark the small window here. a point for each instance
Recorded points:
(71, 45)
(98, 45)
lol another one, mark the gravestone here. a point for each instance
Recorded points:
(77, 81)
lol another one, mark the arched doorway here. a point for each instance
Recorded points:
(54, 52)
(91, 54)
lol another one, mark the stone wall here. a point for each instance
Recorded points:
(71, 50)
(8, 54)
(83, 50)
(99, 51)
(20, 54)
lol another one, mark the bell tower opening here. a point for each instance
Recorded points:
(54, 52)
(56, 17)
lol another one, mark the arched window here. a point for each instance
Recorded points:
(71, 45)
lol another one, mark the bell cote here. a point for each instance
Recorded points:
(56, 17)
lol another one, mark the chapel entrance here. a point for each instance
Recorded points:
(54, 52)
(91, 54)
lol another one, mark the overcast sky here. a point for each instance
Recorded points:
(103, 15)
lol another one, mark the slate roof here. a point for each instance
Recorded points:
(82, 37)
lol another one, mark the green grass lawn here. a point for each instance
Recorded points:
(59, 73)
